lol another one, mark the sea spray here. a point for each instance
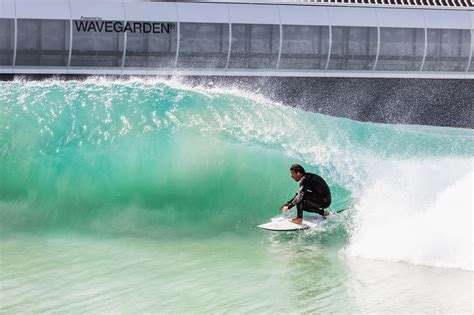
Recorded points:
(417, 211)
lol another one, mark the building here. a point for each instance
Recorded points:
(351, 38)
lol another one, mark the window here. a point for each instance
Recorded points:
(353, 48)
(304, 47)
(401, 49)
(471, 66)
(447, 50)
(42, 42)
(254, 46)
(151, 49)
(94, 48)
(7, 41)
(203, 45)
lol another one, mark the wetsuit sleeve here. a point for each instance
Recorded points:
(290, 201)
(297, 199)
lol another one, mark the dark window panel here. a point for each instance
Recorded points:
(447, 50)
(7, 41)
(254, 46)
(304, 47)
(401, 49)
(353, 48)
(203, 45)
(97, 49)
(42, 42)
(151, 50)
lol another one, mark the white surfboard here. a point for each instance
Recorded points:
(282, 224)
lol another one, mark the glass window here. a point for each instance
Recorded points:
(447, 50)
(304, 47)
(353, 48)
(203, 45)
(97, 43)
(42, 42)
(401, 49)
(471, 66)
(152, 49)
(7, 41)
(254, 46)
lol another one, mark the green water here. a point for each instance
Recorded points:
(144, 195)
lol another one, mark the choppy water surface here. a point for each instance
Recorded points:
(143, 196)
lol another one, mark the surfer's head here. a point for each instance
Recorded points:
(297, 172)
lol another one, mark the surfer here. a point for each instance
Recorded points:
(313, 194)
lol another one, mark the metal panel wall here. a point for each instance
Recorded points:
(400, 18)
(447, 19)
(352, 17)
(43, 9)
(7, 9)
(299, 15)
(203, 13)
(107, 10)
(150, 11)
(254, 14)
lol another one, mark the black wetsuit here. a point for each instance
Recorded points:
(312, 196)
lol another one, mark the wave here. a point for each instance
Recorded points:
(142, 156)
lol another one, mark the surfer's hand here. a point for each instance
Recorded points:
(284, 208)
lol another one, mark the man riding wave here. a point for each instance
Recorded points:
(313, 194)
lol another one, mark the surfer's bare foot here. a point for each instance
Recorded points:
(296, 220)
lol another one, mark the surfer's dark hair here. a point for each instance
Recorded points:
(297, 168)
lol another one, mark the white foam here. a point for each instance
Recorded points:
(417, 211)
